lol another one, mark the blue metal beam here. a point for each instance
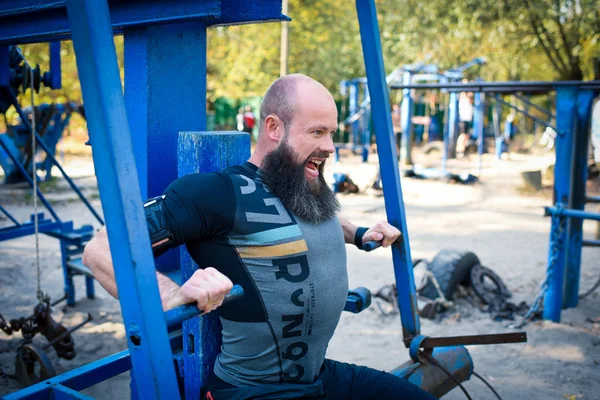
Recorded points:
(566, 100)
(408, 106)
(28, 21)
(579, 173)
(79, 378)
(388, 163)
(121, 198)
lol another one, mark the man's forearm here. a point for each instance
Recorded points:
(349, 230)
(97, 258)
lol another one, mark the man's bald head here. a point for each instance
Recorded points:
(281, 98)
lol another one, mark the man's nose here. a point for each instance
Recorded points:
(327, 145)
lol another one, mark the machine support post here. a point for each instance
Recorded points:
(408, 106)
(204, 152)
(566, 106)
(577, 196)
(366, 131)
(452, 125)
(353, 108)
(151, 54)
(114, 163)
(478, 122)
(388, 164)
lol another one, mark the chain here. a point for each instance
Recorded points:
(40, 294)
(556, 245)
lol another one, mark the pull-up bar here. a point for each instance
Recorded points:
(501, 87)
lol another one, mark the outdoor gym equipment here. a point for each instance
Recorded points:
(360, 111)
(18, 150)
(172, 37)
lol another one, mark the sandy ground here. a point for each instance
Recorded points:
(503, 227)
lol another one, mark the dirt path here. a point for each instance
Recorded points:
(505, 229)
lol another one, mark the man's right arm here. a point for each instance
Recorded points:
(207, 287)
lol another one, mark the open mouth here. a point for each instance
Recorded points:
(312, 167)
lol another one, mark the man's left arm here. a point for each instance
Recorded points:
(382, 231)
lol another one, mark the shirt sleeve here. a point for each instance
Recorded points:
(199, 206)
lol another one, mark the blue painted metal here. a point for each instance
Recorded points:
(529, 103)
(566, 101)
(204, 152)
(78, 378)
(478, 123)
(41, 143)
(388, 162)
(353, 108)
(23, 171)
(579, 169)
(366, 129)
(524, 112)
(501, 87)
(452, 136)
(415, 345)
(59, 392)
(571, 213)
(9, 215)
(407, 108)
(4, 63)
(121, 198)
(54, 80)
(358, 300)
(30, 21)
(28, 228)
(150, 56)
(592, 199)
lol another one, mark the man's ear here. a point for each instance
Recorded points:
(274, 128)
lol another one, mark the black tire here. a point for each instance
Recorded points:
(433, 147)
(450, 268)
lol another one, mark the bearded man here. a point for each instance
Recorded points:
(271, 226)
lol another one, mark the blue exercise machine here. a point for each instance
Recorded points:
(39, 130)
(141, 143)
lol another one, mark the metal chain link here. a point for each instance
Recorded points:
(40, 294)
(556, 244)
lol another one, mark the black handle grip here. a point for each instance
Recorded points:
(372, 245)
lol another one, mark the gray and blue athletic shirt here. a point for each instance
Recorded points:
(293, 274)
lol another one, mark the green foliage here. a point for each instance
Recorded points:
(522, 40)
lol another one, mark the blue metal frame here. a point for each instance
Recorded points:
(120, 194)
(388, 162)
(407, 107)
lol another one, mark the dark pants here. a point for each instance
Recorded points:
(337, 381)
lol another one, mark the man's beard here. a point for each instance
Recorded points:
(312, 200)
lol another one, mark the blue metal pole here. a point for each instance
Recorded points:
(366, 133)
(163, 62)
(55, 70)
(388, 162)
(407, 108)
(571, 213)
(353, 107)
(452, 125)
(478, 122)
(579, 171)
(135, 274)
(204, 152)
(566, 101)
(524, 112)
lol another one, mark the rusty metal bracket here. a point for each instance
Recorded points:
(469, 340)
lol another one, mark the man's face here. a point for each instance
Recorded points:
(294, 170)
(310, 133)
